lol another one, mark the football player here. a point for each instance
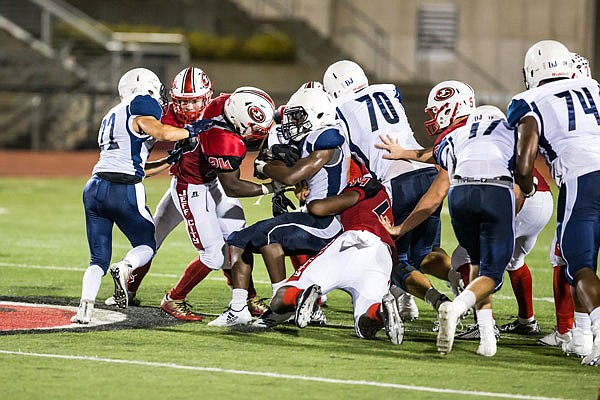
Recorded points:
(367, 111)
(557, 115)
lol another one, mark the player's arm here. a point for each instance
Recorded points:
(234, 186)
(357, 190)
(151, 126)
(527, 146)
(302, 170)
(397, 152)
(426, 206)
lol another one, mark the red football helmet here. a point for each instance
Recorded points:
(191, 92)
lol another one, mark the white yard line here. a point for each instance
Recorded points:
(280, 376)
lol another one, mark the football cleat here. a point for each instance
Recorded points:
(394, 327)
(554, 338)
(581, 343)
(257, 306)
(472, 333)
(131, 302)
(84, 313)
(306, 305)
(487, 343)
(317, 317)
(120, 274)
(407, 307)
(231, 317)
(270, 319)
(516, 327)
(179, 309)
(448, 315)
(593, 359)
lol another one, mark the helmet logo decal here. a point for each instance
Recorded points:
(256, 114)
(444, 93)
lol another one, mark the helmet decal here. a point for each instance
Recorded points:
(444, 93)
(256, 114)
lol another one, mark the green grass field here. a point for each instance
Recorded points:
(43, 252)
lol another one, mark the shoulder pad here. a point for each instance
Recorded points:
(145, 105)
(328, 139)
(516, 110)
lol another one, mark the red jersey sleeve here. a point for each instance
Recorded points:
(224, 150)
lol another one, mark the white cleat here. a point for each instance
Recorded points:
(307, 304)
(408, 307)
(554, 338)
(448, 316)
(231, 317)
(394, 327)
(487, 341)
(593, 359)
(581, 343)
(120, 274)
(84, 313)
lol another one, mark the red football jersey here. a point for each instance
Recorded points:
(192, 167)
(364, 216)
(223, 148)
(542, 185)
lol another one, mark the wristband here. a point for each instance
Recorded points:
(265, 189)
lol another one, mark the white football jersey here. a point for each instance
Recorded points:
(332, 178)
(373, 111)
(122, 149)
(483, 148)
(569, 124)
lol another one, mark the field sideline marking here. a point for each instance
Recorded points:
(260, 282)
(284, 376)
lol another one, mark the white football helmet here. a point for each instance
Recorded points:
(142, 81)
(312, 85)
(447, 101)
(547, 59)
(251, 112)
(486, 113)
(191, 92)
(581, 66)
(343, 77)
(307, 110)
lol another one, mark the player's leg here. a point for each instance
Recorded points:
(529, 222)
(99, 236)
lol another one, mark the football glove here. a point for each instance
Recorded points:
(280, 204)
(195, 128)
(259, 164)
(182, 146)
(288, 153)
(366, 187)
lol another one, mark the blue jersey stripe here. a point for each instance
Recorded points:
(544, 145)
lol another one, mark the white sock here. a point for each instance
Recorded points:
(485, 317)
(525, 321)
(276, 286)
(138, 256)
(465, 300)
(595, 316)
(583, 320)
(92, 278)
(239, 298)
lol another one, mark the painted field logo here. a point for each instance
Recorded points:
(15, 316)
